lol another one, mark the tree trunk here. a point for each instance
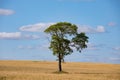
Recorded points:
(60, 66)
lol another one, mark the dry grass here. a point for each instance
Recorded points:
(38, 70)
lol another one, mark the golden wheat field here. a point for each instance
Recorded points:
(43, 70)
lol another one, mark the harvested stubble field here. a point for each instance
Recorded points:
(42, 70)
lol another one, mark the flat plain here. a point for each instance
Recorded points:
(43, 70)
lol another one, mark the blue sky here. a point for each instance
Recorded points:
(22, 23)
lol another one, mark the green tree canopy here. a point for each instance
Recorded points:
(64, 36)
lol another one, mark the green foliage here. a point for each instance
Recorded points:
(62, 29)
(59, 32)
(60, 43)
(79, 41)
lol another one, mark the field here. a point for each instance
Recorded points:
(43, 70)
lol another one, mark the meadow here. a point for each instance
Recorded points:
(43, 70)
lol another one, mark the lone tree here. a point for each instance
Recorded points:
(64, 36)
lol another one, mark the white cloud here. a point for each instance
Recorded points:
(100, 29)
(17, 35)
(39, 27)
(6, 12)
(89, 29)
(5, 35)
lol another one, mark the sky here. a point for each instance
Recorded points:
(22, 25)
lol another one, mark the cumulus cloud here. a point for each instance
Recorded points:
(6, 12)
(39, 27)
(17, 35)
(14, 35)
(89, 29)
